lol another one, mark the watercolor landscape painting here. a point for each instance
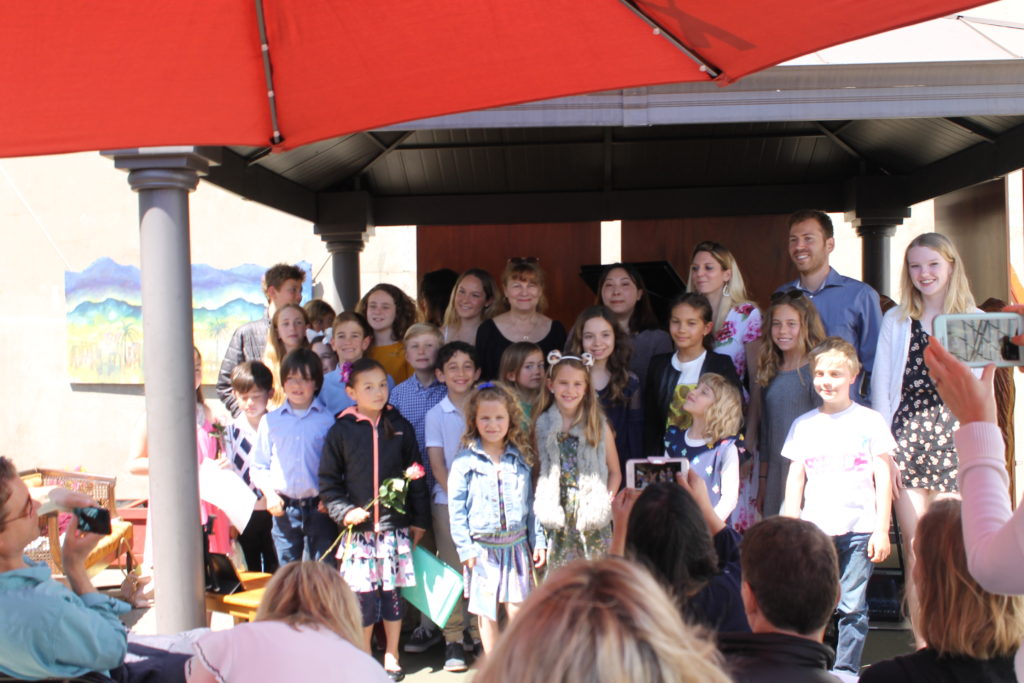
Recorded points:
(104, 317)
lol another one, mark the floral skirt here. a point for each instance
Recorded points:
(568, 544)
(383, 560)
(503, 573)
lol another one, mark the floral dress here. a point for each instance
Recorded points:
(923, 426)
(568, 543)
(741, 326)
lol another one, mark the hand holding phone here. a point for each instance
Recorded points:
(980, 339)
(94, 520)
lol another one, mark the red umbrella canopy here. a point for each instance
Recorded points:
(121, 73)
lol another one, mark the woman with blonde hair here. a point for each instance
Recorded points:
(307, 627)
(598, 622)
(472, 302)
(933, 282)
(971, 634)
(737, 320)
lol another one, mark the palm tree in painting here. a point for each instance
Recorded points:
(216, 328)
(128, 336)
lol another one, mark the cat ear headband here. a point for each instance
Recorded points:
(556, 357)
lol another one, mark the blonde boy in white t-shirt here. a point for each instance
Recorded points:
(840, 475)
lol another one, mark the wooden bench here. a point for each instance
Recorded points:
(241, 606)
(101, 488)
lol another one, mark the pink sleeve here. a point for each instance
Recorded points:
(752, 329)
(993, 534)
(212, 661)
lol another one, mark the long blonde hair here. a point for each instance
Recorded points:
(812, 332)
(602, 622)
(725, 415)
(591, 415)
(955, 615)
(737, 290)
(517, 435)
(958, 291)
(451, 317)
(312, 594)
(275, 353)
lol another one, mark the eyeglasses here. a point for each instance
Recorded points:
(25, 512)
(523, 260)
(788, 295)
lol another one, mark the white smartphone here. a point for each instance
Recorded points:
(642, 473)
(980, 339)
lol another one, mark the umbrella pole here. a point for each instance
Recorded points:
(164, 177)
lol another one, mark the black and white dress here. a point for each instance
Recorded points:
(923, 426)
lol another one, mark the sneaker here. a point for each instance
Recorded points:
(469, 643)
(454, 657)
(422, 640)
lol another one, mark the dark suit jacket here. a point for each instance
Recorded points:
(661, 384)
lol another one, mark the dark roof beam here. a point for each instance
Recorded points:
(385, 150)
(849, 149)
(539, 207)
(425, 147)
(259, 184)
(973, 128)
(971, 166)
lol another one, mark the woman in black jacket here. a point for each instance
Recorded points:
(370, 444)
(671, 376)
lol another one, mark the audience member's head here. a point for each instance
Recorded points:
(955, 615)
(835, 351)
(474, 295)
(790, 577)
(811, 240)
(313, 594)
(305, 364)
(601, 622)
(283, 285)
(320, 314)
(668, 534)
(7, 476)
(434, 292)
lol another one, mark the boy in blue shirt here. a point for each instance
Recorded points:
(840, 474)
(458, 368)
(413, 398)
(286, 462)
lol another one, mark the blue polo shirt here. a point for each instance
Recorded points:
(413, 400)
(849, 309)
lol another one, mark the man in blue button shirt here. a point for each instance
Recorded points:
(849, 308)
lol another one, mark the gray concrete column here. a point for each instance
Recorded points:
(345, 268)
(875, 227)
(874, 255)
(346, 222)
(164, 177)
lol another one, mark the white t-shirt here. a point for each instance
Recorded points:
(838, 451)
(689, 371)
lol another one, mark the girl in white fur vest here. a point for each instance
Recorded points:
(579, 466)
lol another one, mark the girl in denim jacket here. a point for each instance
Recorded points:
(490, 502)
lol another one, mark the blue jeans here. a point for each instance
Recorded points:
(854, 572)
(303, 532)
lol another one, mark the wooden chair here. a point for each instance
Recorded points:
(101, 488)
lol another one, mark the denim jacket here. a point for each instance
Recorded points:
(473, 498)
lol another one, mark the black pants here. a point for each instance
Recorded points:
(257, 543)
